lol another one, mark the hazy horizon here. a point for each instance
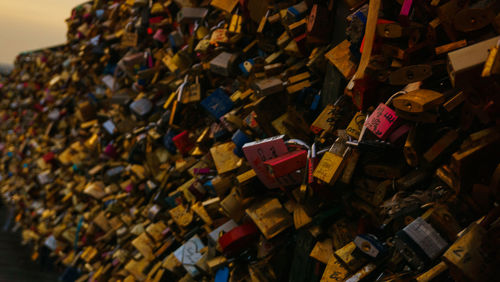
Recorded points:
(32, 24)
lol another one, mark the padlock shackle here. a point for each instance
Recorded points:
(389, 101)
(299, 142)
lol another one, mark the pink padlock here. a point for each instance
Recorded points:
(110, 151)
(129, 188)
(160, 36)
(404, 14)
(397, 135)
(382, 121)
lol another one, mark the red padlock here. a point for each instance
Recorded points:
(286, 164)
(49, 157)
(182, 142)
(239, 238)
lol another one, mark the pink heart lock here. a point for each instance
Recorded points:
(160, 36)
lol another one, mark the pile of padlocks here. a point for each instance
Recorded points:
(260, 140)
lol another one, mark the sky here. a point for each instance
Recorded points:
(32, 24)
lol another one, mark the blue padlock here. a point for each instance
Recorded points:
(168, 143)
(246, 67)
(239, 139)
(218, 103)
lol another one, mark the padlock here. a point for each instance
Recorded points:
(466, 256)
(129, 39)
(318, 24)
(382, 121)
(356, 124)
(218, 103)
(410, 74)
(404, 13)
(235, 24)
(420, 243)
(322, 251)
(418, 101)
(345, 255)
(232, 206)
(370, 245)
(298, 86)
(287, 163)
(258, 152)
(465, 64)
(224, 158)
(227, 6)
(455, 101)
(183, 142)
(297, 28)
(239, 138)
(214, 235)
(262, 19)
(372, 192)
(268, 86)
(443, 49)
(86, 111)
(141, 108)
(299, 77)
(335, 271)
(189, 253)
(273, 69)
(193, 92)
(297, 10)
(331, 165)
(441, 145)
(471, 19)
(247, 66)
(389, 29)
(324, 120)
(464, 159)
(136, 132)
(270, 217)
(492, 64)
(191, 14)
(283, 39)
(433, 273)
(224, 63)
(238, 238)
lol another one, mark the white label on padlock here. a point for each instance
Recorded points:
(189, 254)
(426, 237)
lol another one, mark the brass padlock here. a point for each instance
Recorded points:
(332, 164)
(235, 24)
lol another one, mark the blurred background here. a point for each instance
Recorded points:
(26, 25)
(31, 24)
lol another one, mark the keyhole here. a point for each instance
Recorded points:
(472, 20)
(366, 246)
(409, 74)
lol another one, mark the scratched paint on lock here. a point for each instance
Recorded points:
(328, 168)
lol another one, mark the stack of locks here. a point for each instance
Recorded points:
(260, 140)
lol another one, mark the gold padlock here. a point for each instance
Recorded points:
(235, 24)
(331, 165)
